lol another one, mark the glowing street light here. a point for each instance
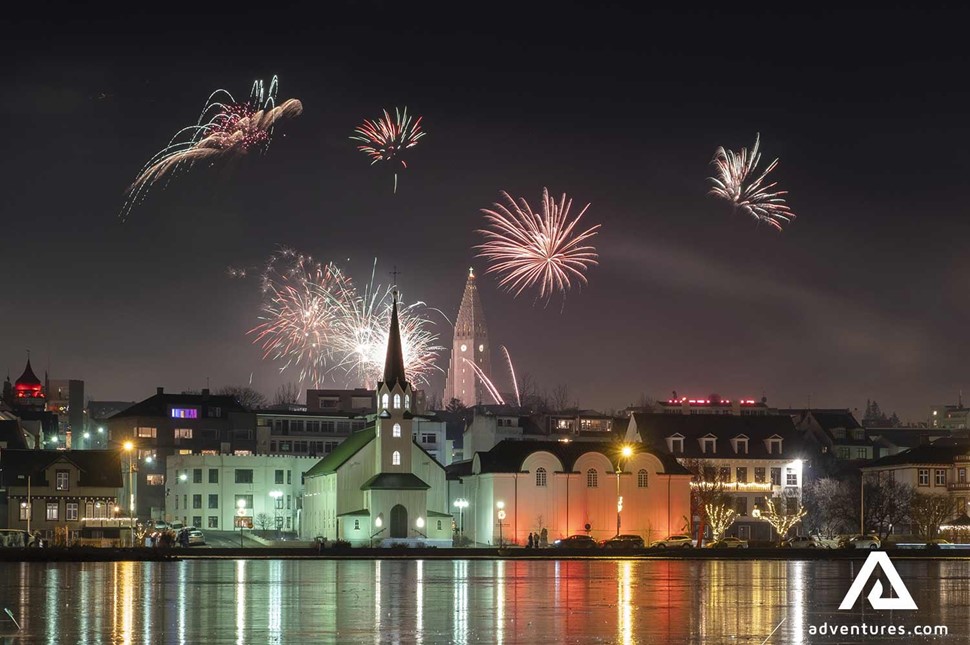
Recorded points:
(625, 453)
(129, 447)
(500, 505)
(277, 507)
(461, 504)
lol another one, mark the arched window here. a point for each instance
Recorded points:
(642, 478)
(396, 431)
(592, 481)
(384, 401)
(396, 458)
(397, 401)
(439, 525)
(407, 402)
(541, 477)
(356, 525)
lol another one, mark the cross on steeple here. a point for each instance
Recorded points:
(394, 274)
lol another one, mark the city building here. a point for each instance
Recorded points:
(65, 398)
(713, 404)
(470, 350)
(314, 434)
(750, 457)
(380, 484)
(517, 487)
(166, 424)
(359, 401)
(51, 490)
(226, 492)
(950, 417)
(837, 432)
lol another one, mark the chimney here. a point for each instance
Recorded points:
(205, 392)
(159, 390)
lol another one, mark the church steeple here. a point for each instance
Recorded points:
(394, 361)
(470, 347)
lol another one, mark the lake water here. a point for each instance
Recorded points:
(481, 601)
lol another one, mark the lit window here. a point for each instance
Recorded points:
(63, 480)
(396, 430)
(540, 477)
(52, 511)
(407, 402)
(642, 478)
(941, 478)
(791, 477)
(183, 433)
(70, 511)
(155, 479)
(592, 480)
(384, 400)
(147, 432)
(185, 413)
(397, 401)
(396, 458)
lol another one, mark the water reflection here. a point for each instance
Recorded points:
(433, 601)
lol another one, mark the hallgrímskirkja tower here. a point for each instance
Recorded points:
(470, 345)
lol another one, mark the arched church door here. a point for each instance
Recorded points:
(399, 522)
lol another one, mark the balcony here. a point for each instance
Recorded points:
(736, 487)
(958, 486)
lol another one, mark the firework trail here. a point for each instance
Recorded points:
(315, 321)
(515, 385)
(530, 249)
(226, 127)
(754, 198)
(486, 382)
(385, 139)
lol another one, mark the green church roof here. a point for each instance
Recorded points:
(347, 449)
(395, 481)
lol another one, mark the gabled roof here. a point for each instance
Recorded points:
(508, 455)
(159, 404)
(343, 452)
(830, 420)
(100, 468)
(395, 481)
(935, 453)
(655, 428)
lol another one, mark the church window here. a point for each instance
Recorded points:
(541, 477)
(356, 525)
(396, 458)
(642, 478)
(397, 401)
(592, 479)
(407, 402)
(439, 525)
(397, 430)
(384, 401)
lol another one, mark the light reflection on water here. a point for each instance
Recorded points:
(439, 601)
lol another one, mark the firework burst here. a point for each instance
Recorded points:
(756, 198)
(544, 250)
(515, 384)
(386, 139)
(226, 127)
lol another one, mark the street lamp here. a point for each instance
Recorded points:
(419, 524)
(625, 453)
(501, 516)
(129, 446)
(241, 505)
(277, 506)
(461, 504)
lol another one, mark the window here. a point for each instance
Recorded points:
(196, 520)
(407, 404)
(196, 475)
(741, 445)
(791, 477)
(741, 475)
(70, 511)
(708, 445)
(384, 401)
(146, 432)
(396, 431)
(774, 445)
(710, 473)
(289, 477)
(183, 433)
(642, 478)
(962, 475)
(244, 475)
(741, 504)
(24, 511)
(439, 525)
(52, 511)
(592, 479)
(279, 477)
(185, 413)
(776, 476)
(247, 501)
(860, 453)
(63, 479)
(843, 452)
(924, 476)
(197, 501)
(213, 476)
(288, 498)
(397, 401)
(213, 521)
(724, 474)
(155, 479)
(940, 477)
(213, 501)
(675, 444)
(428, 437)
(396, 458)
(215, 412)
(540, 477)
(759, 475)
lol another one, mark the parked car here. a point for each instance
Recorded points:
(623, 542)
(801, 542)
(575, 542)
(177, 526)
(196, 536)
(673, 541)
(862, 542)
(729, 543)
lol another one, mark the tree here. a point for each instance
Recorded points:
(245, 396)
(706, 490)
(263, 522)
(783, 512)
(455, 406)
(720, 516)
(287, 394)
(928, 512)
(560, 397)
(887, 504)
(830, 505)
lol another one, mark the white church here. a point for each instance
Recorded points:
(379, 487)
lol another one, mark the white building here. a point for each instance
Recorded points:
(222, 492)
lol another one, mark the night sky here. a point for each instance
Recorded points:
(863, 296)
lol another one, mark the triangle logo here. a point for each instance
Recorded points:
(903, 599)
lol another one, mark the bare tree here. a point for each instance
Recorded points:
(706, 490)
(887, 504)
(560, 397)
(832, 507)
(533, 399)
(245, 396)
(287, 394)
(783, 512)
(720, 516)
(455, 406)
(263, 522)
(928, 512)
